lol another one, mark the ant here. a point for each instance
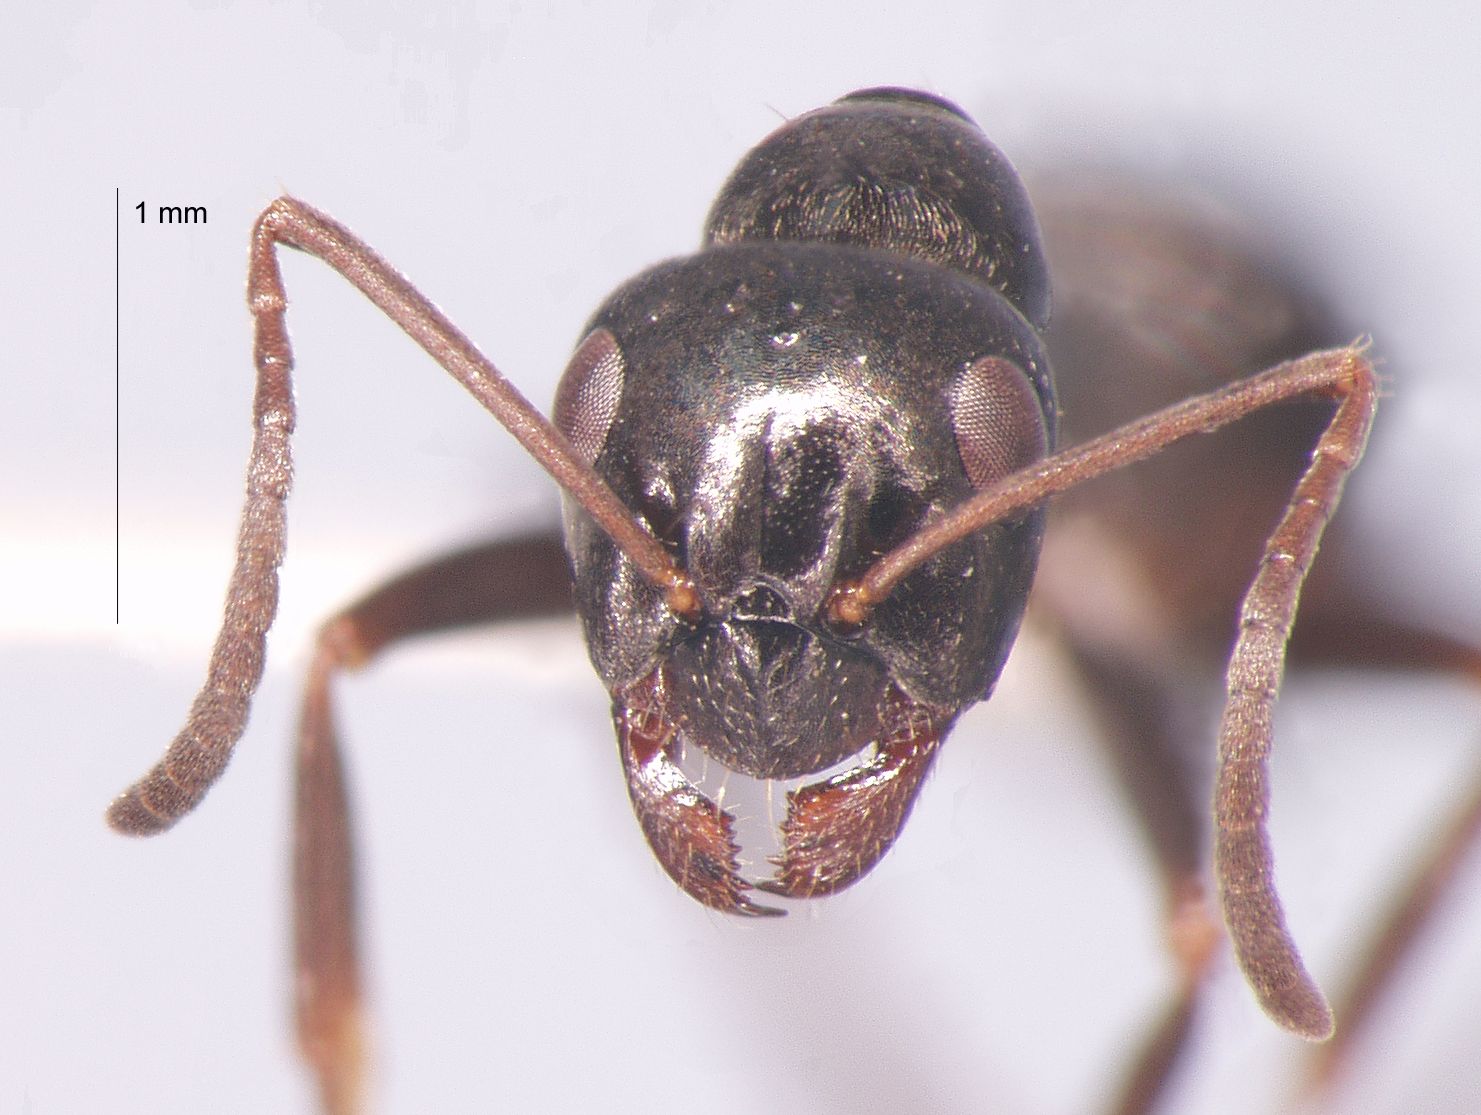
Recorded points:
(804, 476)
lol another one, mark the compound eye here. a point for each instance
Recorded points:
(997, 419)
(591, 389)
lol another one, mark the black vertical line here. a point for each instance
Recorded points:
(117, 364)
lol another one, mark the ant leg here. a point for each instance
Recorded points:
(1141, 719)
(1143, 735)
(1137, 703)
(1341, 630)
(517, 578)
(1398, 934)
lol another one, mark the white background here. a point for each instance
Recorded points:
(526, 953)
